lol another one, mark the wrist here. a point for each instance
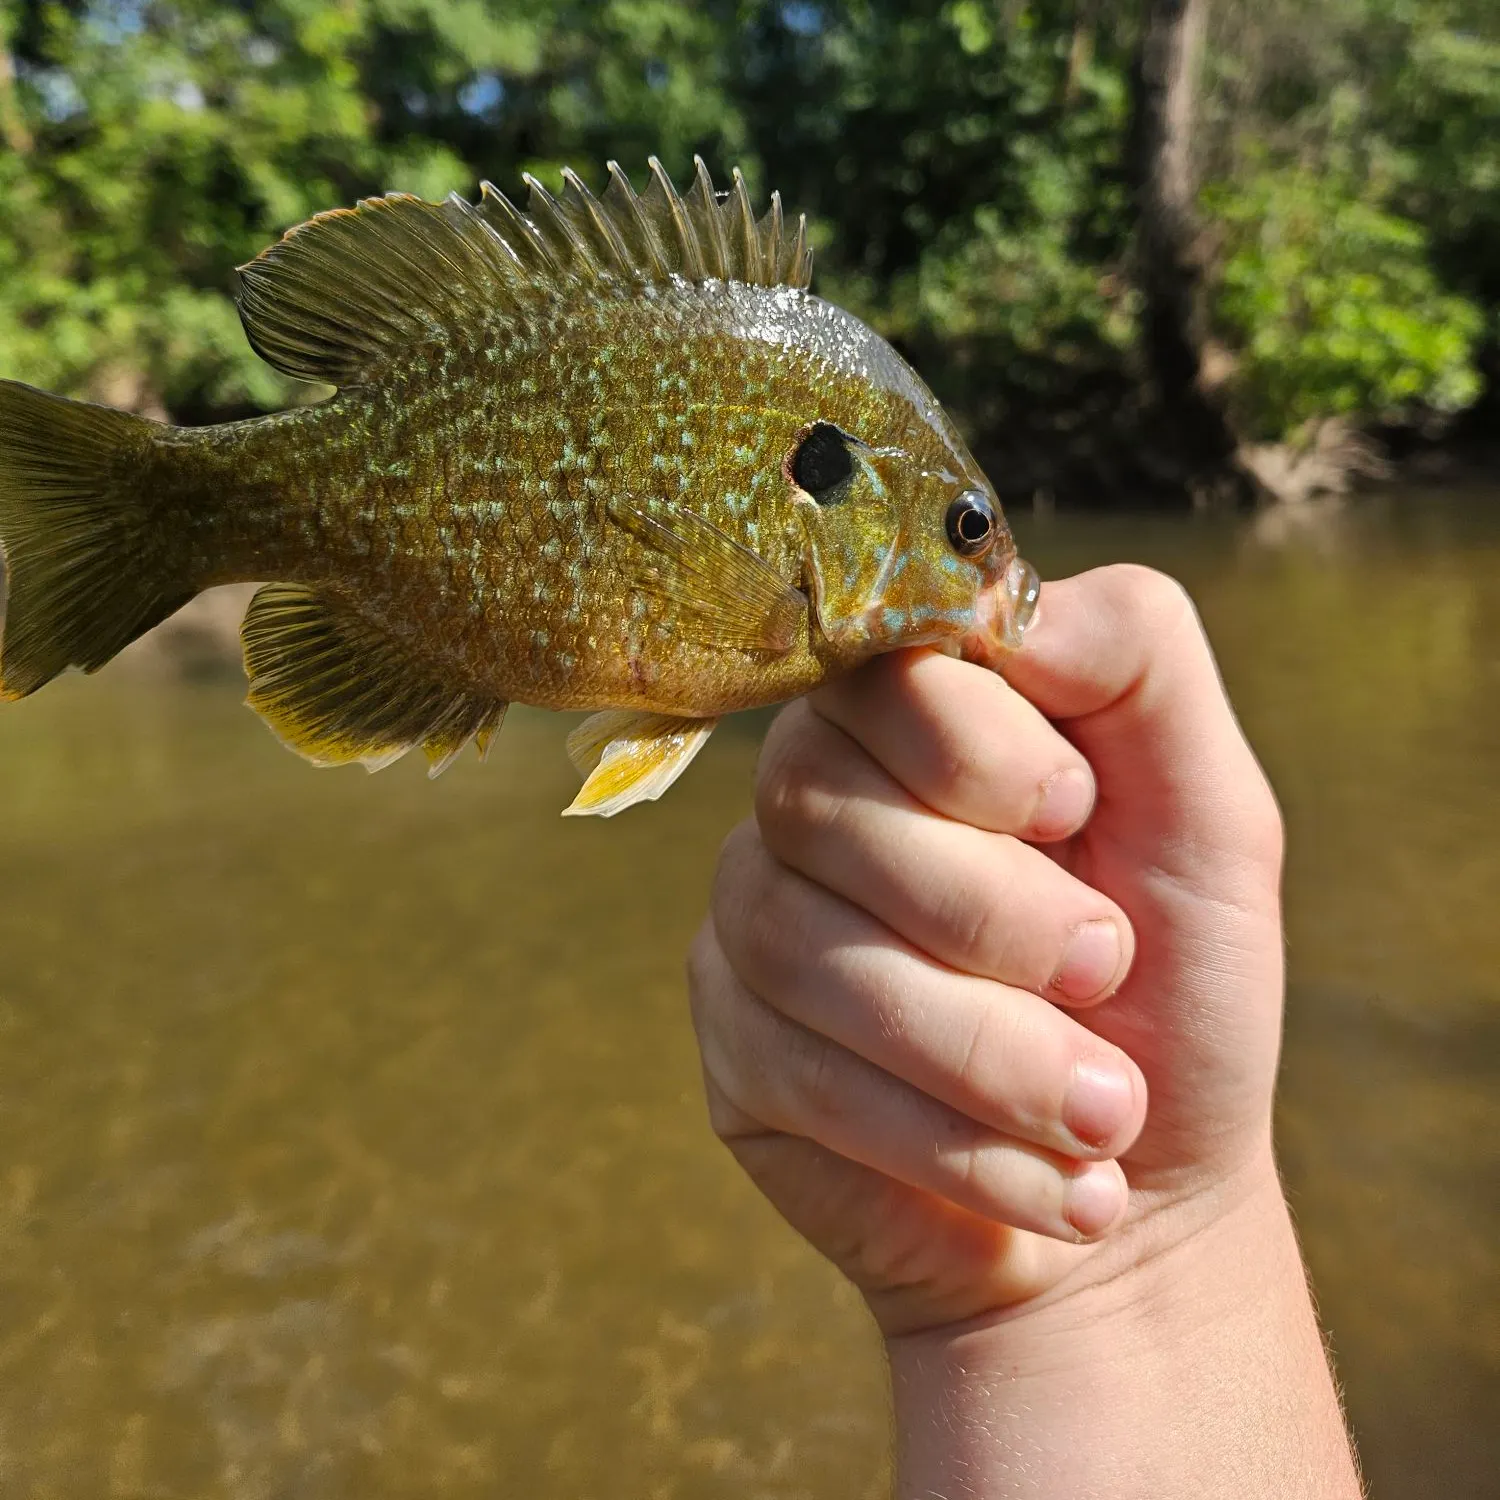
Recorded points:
(1187, 1363)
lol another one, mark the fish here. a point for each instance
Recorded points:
(606, 453)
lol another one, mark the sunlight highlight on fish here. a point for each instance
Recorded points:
(607, 453)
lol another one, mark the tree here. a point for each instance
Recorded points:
(1168, 264)
(1007, 188)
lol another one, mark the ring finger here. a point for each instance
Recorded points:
(996, 1053)
(790, 1080)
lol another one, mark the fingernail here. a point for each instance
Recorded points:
(1090, 961)
(1095, 1198)
(1066, 801)
(1099, 1102)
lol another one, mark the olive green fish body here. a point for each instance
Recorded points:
(566, 465)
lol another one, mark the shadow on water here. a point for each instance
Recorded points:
(350, 1135)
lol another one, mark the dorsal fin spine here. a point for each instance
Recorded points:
(651, 241)
(542, 205)
(599, 221)
(493, 201)
(706, 201)
(463, 213)
(774, 230)
(687, 237)
(796, 272)
(749, 246)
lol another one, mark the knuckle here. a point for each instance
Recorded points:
(795, 803)
(737, 880)
(722, 1116)
(785, 784)
(988, 1054)
(1160, 604)
(818, 1077)
(977, 921)
(725, 1117)
(968, 1167)
(769, 938)
(699, 967)
(761, 921)
(969, 775)
(950, 759)
(1265, 830)
(733, 1049)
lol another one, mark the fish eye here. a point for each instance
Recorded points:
(821, 464)
(971, 524)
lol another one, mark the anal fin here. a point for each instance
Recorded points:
(338, 689)
(631, 757)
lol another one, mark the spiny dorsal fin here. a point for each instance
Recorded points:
(655, 235)
(338, 296)
(337, 689)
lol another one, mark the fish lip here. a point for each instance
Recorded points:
(1004, 611)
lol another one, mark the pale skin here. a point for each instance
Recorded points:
(989, 1004)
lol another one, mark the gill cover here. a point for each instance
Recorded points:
(853, 532)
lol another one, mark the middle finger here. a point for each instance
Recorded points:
(983, 902)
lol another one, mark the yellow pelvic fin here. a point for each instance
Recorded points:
(631, 757)
(338, 689)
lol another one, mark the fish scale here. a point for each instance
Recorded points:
(606, 454)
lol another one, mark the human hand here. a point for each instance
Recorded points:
(900, 1045)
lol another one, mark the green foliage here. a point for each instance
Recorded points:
(1357, 157)
(152, 145)
(963, 164)
(1335, 305)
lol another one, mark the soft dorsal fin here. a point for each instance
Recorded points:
(338, 296)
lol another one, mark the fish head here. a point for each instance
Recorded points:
(906, 543)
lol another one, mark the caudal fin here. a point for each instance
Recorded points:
(86, 559)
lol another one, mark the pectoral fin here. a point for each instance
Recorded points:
(631, 757)
(724, 594)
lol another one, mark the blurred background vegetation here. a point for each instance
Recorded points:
(1101, 231)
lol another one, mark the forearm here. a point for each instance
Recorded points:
(1201, 1374)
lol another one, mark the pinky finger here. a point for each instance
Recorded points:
(919, 1260)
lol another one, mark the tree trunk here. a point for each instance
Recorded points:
(1080, 51)
(1169, 268)
(14, 135)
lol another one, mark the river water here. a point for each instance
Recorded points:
(350, 1133)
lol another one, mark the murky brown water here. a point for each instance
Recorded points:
(350, 1132)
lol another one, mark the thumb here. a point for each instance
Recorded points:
(1118, 659)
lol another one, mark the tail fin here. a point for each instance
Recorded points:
(85, 557)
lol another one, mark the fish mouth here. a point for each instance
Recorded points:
(1004, 611)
